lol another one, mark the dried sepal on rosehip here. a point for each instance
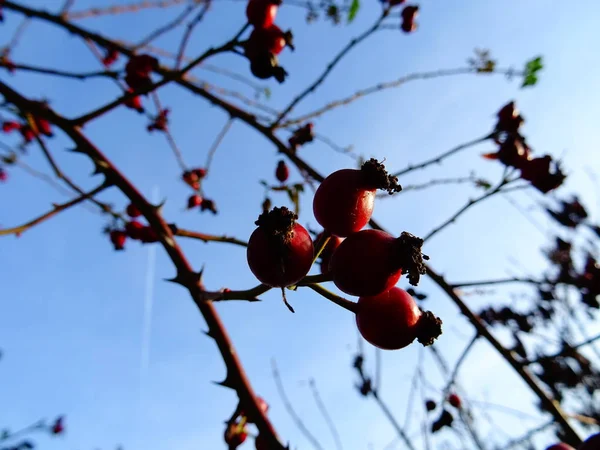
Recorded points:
(392, 320)
(280, 251)
(194, 201)
(509, 119)
(370, 262)
(282, 172)
(208, 205)
(58, 427)
(445, 420)
(409, 15)
(513, 152)
(265, 65)
(343, 203)
(161, 121)
(543, 173)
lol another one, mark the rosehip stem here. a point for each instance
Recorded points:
(321, 246)
(340, 301)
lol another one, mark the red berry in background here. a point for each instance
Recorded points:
(371, 261)
(562, 446)
(148, 235)
(513, 153)
(454, 400)
(430, 405)
(261, 13)
(509, 119)
(134, 229)
(138, 70)
(110, 57)
(134, 102)
(208, 205)
(333, 243)
(282, 172)
(260, 443)
(543, 173)
(392, 320)
(133, 211)
(271, 39)
(43, 126)
(27, 133)
(194, 201)
(160, 122)
(409, 15)
(118, 238)
(192, 177)
(235, 435)
(343, 203)
(3, 175)
(10, 125)
(408, 26)
(591, 443)
(280, 251)
(58, 427)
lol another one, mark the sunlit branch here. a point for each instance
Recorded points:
(498, 281)
(54, 211)
(290, 409)
(384, 86)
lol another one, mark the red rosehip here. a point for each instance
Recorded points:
(282, 172)
(192, 177)
(563, 446)
(260, 443)
(408, 26)
(371, 261)
(58, 426)
(134, 102)
(110, 57)
(271, 39)
(134, 229)
(392, 320)
(509, 119)
(591, 443)
(542, 174)
(118, 238)
(27, 133)
(148, 235)
(261, 13)
(10, 125)
(138, 70)
(454, 400)
(3, 175)
(343, 203)
(161, 121)
(410, 12)
(133, 211)
(234, 436)
(193, 201)
(43, 126)
(199, 172)
(333, 243)
(280, 251)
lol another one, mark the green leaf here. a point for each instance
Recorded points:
(529, 80)
(530, 74)
(354, 7)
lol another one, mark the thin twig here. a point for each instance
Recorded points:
(431, 183)
(15, 38)
(216, 143)
(353, 43)
(325, 414)
(167, 27)
(492, 282)
(120, 9)
(60, 73)
(188, 33)
(340, 301)
(290, 409)
(459, 362)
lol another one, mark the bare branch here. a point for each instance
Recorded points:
(60, 73)
(326, 416)
(121, 9)
(216, 143)
(167, 27)
(188, 33)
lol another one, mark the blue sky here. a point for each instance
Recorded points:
(72, 310)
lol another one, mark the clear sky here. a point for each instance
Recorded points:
(72, 310)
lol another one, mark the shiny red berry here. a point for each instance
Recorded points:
(194, 201)
(27, 133)
(371, 261)
(343, 203)
(454, 400)
(392, 320)
(133, 211)
(282, 172)
(10, 125)
(110, 58)
(280, 251)
(271, 39)
(261, 13)
(134, 102)
(118, 238)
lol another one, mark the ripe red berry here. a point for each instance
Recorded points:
(43, 126)
(563, 446)
(148, 235)
(392, 320)
(371, 261)
(343, 203)
(333, 243)
(118, 238)
(110, 58)
(199, 172)
(280, 251)
(591, 443)
(3, 175)
(261, 13)
(454, 400)
(193, 201)
(134, 229)
(235, 435)
(27, 133)
(58, 426)
(134, 102)
(282, 172)
(133, 211)
(10, 125)
(161, 121)
(271, 39)
(138, 70)
(192, 177)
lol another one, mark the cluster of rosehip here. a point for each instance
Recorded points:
(133, 230)
(592, 443)
(29, 129)
(446, 418)
(266, 41)
(543, 173)
(193, 178)
(236, 431)
(366, 264)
